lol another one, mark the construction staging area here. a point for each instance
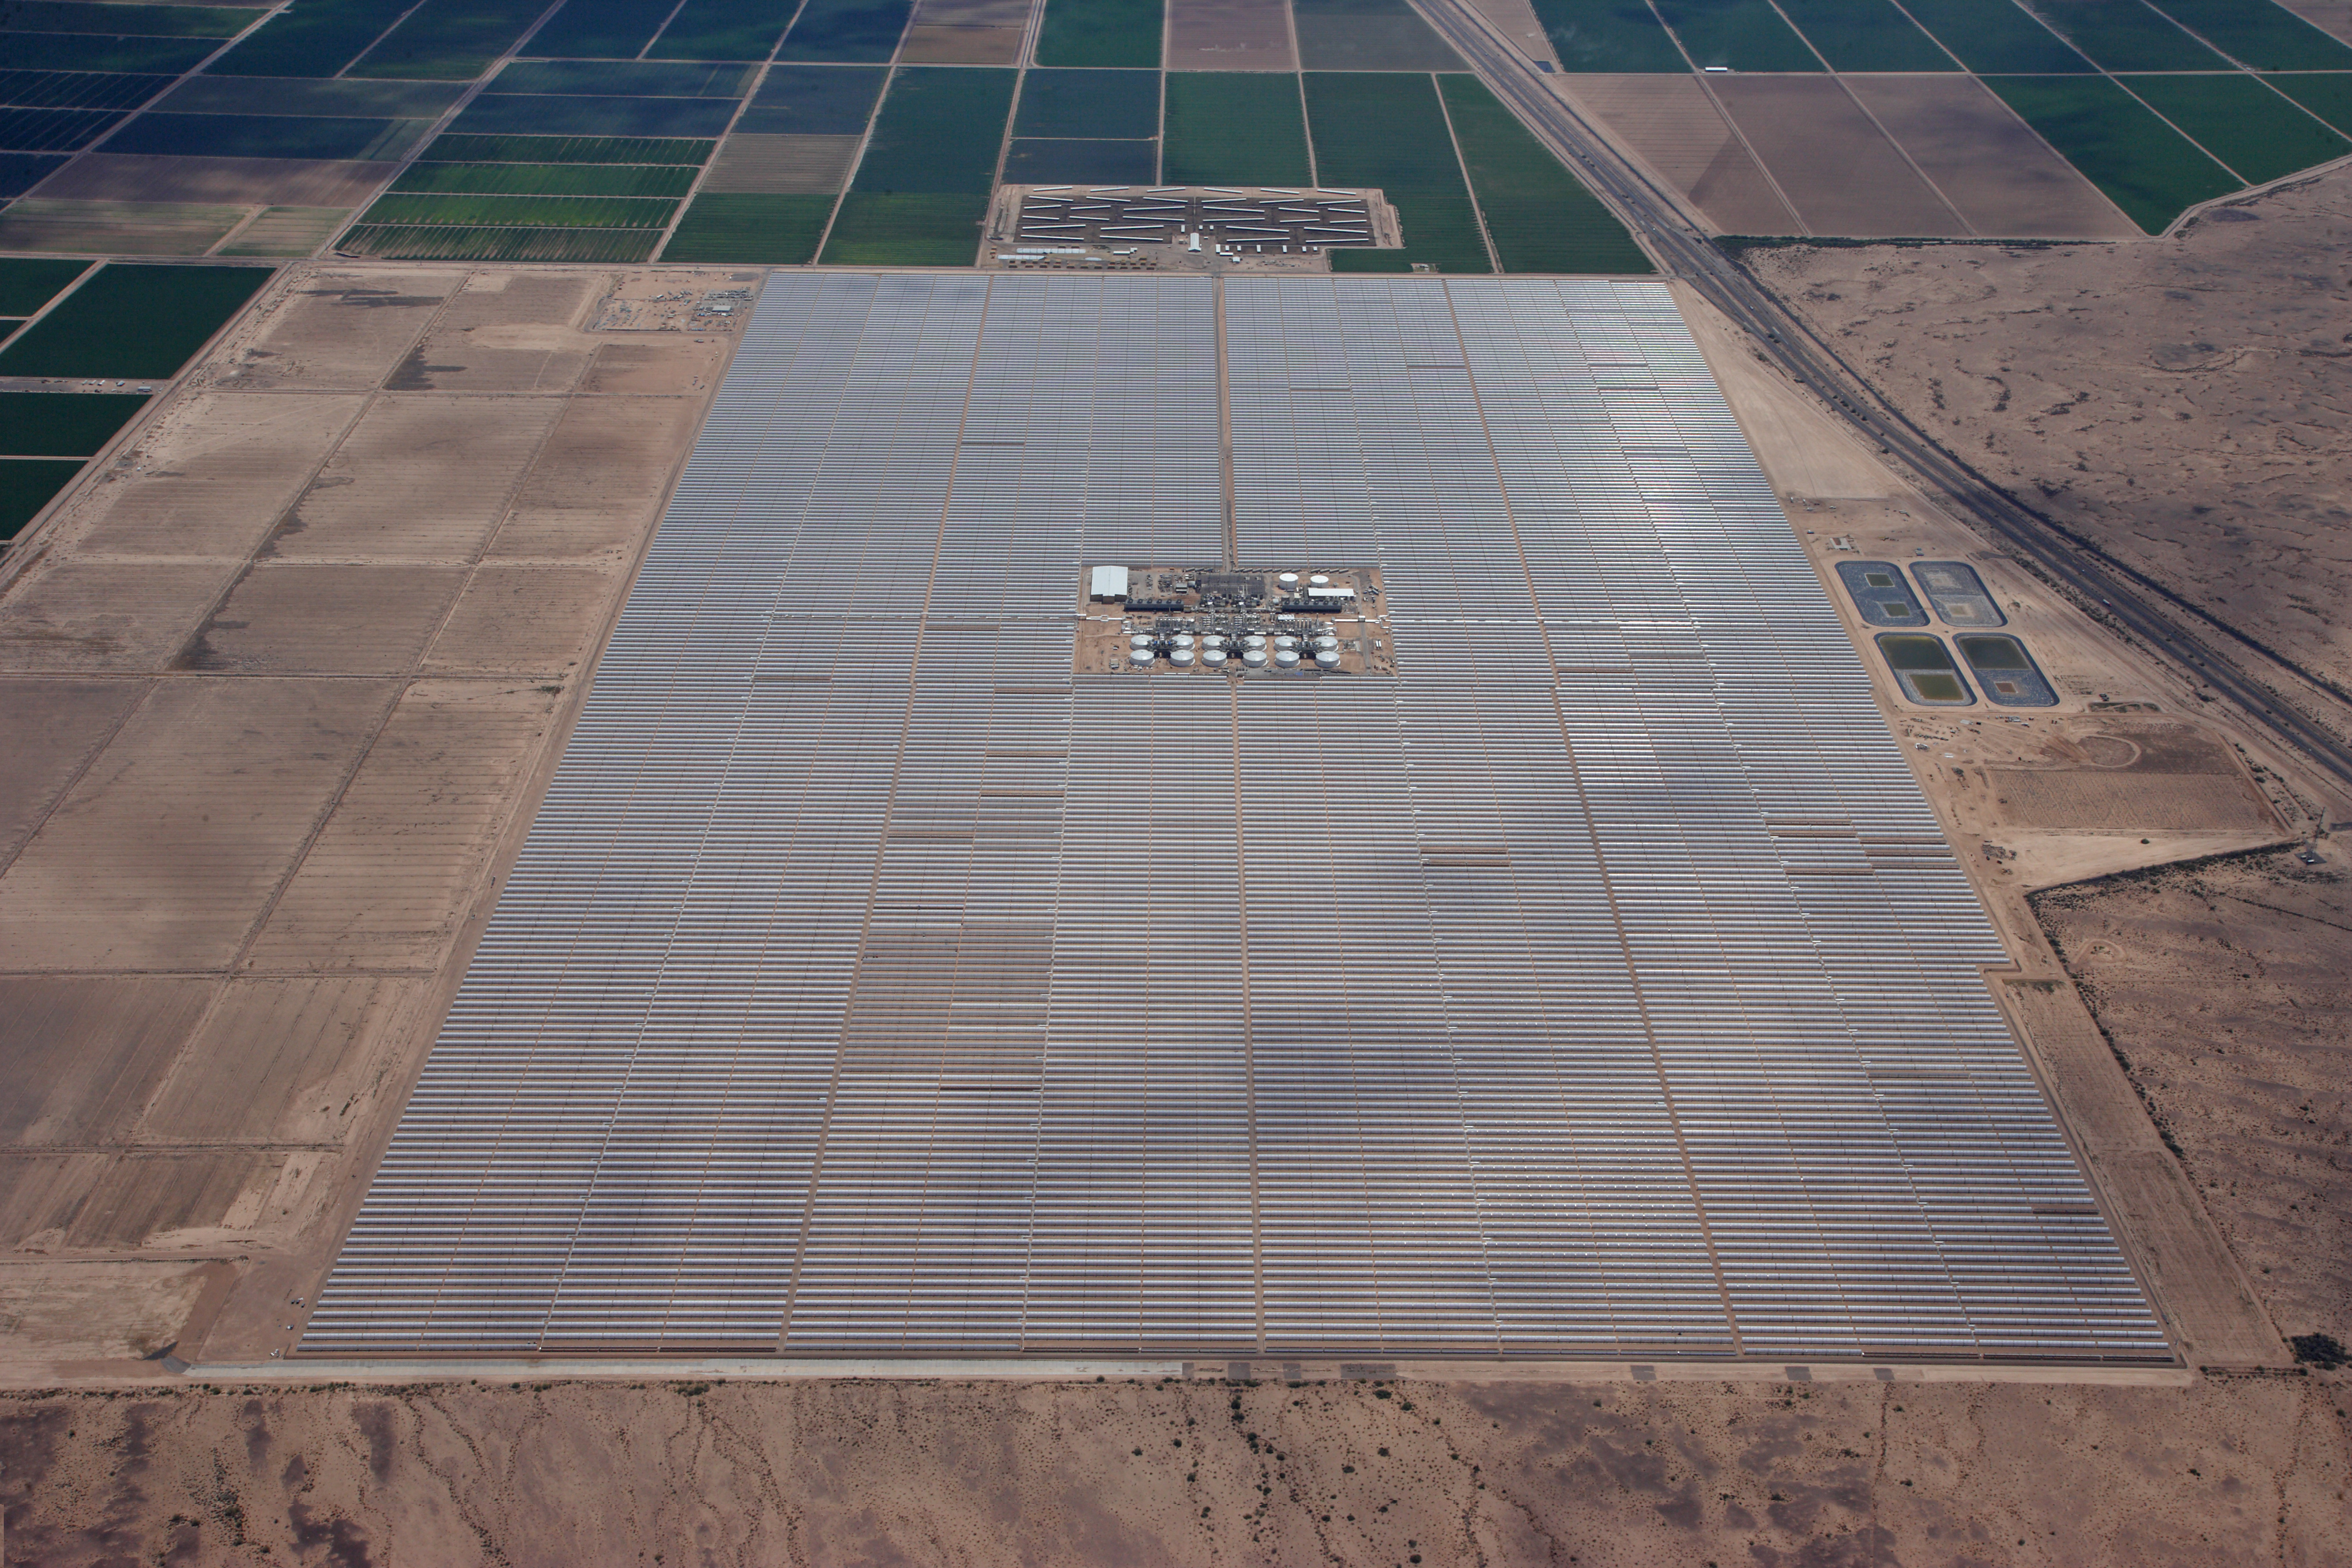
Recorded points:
(1599, 984)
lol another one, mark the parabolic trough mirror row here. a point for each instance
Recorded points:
(1594, 980)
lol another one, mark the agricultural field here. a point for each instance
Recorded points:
(1368, 36)
(731, 227)
(2256, 133)
(2144, 165)
(921, 191)
(1235, 128)
(1101, 33)
(1390, 131)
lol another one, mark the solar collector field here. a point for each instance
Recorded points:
(1598, 985)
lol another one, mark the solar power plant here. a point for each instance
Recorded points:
(1596, 983)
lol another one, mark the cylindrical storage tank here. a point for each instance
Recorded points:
(1285, 642)
(1180, 655)
(1327, 640)
(1213, 640)
(1319, 581)
(1183, 639)
(1139, 654)
(1254, 657)
(1327, 656)
(1140, 640)
(1288, 579)
(1212, 657)
(1286, 658)
(1252, 640)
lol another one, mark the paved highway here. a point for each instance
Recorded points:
(2233, 667)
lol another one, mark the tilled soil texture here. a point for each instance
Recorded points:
(2182, 402)
(2221, 988)
(2241, 1471)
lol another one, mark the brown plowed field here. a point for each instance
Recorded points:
(783, 165)
(1229, 35)
(1845, 176)
(1671, 123)
(961, 46)
(1987, 162)
(243, 181)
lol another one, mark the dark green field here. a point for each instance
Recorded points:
(261, 136)
(813, 101)
(621, 78)
(521, 115)
(1540, 217)
(2267, 38)
(134, 322)
(20, 171)
(346, 98)
(939, 130)
(312, 38)
(27, 284)
(396, 244)
(749, 230)
(1388, 130)
(519, 211)
(549, 179)
(1745, 34)
(2240, 120)
(26, 486)
(599, 29)
(62, 424)
(1995, 36)
(1070, 160)
(2128, 37)
(91, 52)
(150, 21)
(1100, 33)
(724, 30)
(77, 90)
(1089, 103)
(567, 150)
(1368, 35)
(54, 130)
(2142, 163)
(1607, 36)
(1234, 128)
(448, 40)
(905, 229)
(2328, 97)
(853, 31)
(1866, 35)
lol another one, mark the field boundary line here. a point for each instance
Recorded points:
(1469, 187)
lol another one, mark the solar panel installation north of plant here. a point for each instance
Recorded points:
(1592, 979)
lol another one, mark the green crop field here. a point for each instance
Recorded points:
(347, 97)
(2127, 38)
(1101, 33)
(1540, 217)
(1089, 103)
(2267, 38)
(749, 230)
(26, 486)
(77, 90)
(939, 129)
(1607, 36)
(448, 40)
(520, 212)
(853, 31)
(312, 37)
(1866, 35)
(448, 244)
(2328, 97)
(1378, 129)
(1995, 36)
(1234, 128)
(623, 78)
(20, 171)
(1745, 34)
(89, 52)
(54, 130)
(2239, 119)
(62, 424)
(27, 284)
(149, 21)
(523, 115)
(599, 29)
(455, 149)
(264, 136)
(134, 322)
(905, 229)
(813, 101)
(549, 179)
(1071, 161)
(2144, 166)
(724, 30)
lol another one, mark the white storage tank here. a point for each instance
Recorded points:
(1139, 654)
(1254, 658)
(1327, 656)
(1180, 656)
(1286, 658)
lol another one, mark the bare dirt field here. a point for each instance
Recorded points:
(277, 680)
(1177, 1472)
(964, 33)
(1843, 175)
(241, 182)
(788, 165)
(1670, 124)
(2222, 986)
(1986, 162)
(1229, 35)
(118, 228)
(2182, 402)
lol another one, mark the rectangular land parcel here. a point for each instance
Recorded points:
(872, 982)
